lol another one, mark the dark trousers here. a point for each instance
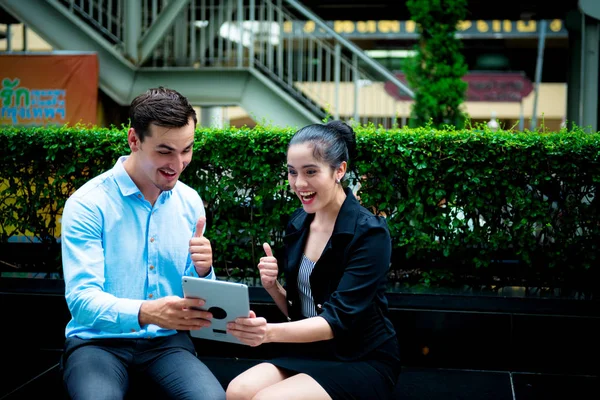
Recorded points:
(102, 368)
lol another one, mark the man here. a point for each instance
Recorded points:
(126, 240)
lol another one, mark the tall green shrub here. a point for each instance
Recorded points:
(502, 207)
(436, 70)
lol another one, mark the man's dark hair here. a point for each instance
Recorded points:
(162, 107)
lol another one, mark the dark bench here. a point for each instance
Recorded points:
(480, 347)
(414, 383)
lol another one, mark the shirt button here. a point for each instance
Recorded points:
(151, 240)
(319, 306)
(150, 296)
(133, 330)
(139, 196)
(151, 267)
(290, 303)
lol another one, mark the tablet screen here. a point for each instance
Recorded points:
(224, 299)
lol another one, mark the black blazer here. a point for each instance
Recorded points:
(348, 282)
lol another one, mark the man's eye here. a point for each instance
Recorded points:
(164, 152)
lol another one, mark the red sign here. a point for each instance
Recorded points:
(482, 86)
(48, 89)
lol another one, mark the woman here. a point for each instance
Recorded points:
(336, 261)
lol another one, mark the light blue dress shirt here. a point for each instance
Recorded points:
(118, 250)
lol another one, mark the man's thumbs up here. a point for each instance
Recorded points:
(200, 249)
(267, 249)
(200, 227)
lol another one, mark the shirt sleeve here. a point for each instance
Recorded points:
(192, 272)
(83, 269)
(367, 268)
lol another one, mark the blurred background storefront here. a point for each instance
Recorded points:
(524, 57)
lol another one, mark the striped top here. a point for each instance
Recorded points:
(306, 299)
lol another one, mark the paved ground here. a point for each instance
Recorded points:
(34, 374)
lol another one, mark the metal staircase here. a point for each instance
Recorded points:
(220, 52)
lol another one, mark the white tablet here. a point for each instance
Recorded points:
(225, 300)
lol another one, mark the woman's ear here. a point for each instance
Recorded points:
(341, 171)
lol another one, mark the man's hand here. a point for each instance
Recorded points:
(173, 312)
(200, 249)
(251, 330)
(268, 268)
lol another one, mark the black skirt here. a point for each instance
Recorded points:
(372, 377)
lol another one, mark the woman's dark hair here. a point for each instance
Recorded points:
(333, 142)
(162, 107)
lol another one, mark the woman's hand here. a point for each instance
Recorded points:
(251, 330)
(268, 268)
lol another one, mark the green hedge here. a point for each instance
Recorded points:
(468, 203)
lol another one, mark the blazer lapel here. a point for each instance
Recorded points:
(328, 265)
(294, 241)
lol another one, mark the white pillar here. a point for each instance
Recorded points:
(493, 122)
(211, 117)
(133, 27)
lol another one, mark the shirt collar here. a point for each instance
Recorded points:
(348, 216)
(124, 181)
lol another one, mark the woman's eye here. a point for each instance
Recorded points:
(292, 173)
(311, 172)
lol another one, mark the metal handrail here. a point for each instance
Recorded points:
(321, 70)
(352, 47)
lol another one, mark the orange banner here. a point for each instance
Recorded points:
(48, 89)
